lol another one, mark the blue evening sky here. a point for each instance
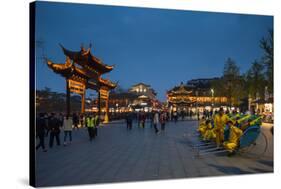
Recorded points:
(155, 46)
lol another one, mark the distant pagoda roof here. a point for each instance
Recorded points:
(180, 90)
(87, 60)
(148, 86)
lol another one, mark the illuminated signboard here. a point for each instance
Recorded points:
(76, 87)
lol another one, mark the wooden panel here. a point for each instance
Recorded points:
(76, 87)
(104, 94)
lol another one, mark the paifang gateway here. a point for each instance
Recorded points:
(82, 70)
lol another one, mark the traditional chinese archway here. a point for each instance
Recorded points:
(82, 71)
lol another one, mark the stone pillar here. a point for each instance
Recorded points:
(83, 102)
(106, 119)
(67, 98)
(99, 105)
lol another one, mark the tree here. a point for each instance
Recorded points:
(230, 70)
(267, 44)
(50, 101)
(231, 85)
(233, 82)
(217, 85)
(255, 80)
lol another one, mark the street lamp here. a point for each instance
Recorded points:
(212, 91)
(197, 111)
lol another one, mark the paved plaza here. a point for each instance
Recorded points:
(119, 155)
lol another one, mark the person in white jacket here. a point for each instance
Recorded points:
(67, 127)
(156, 121)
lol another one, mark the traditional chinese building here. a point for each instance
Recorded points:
(142, 89)
(180, 96)
(121, 102)
(82, 70)
(196, 94)
(138, 97)
(146, 97)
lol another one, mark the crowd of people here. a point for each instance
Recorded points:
(159, 118)
(211, 125)
(154, 119)
(51, 125)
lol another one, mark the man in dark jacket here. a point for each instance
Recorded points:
(75, 120)
(40, 131)
(54, 125)
(129, 120)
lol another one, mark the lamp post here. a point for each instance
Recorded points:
(197, 111)
(212, 91)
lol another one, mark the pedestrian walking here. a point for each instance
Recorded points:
(163, 120)
(182, 115)
(143, 118)
(60, 119)
(151, 119)
(75, 120)
(191, 114)
(54, 125)
(175, 115)
(67, 127)
(167, 116)
(138, 119)
(129, 121)
(156, 121)
(47, 120)
(170, 116)
(90, 126)
(82, 120)
(40, 131)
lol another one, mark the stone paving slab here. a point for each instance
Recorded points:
(119, 155)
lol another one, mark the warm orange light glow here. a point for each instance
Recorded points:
(76, 87)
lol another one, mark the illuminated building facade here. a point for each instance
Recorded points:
(121, 102)
(196, 94)
(139, 97)
(142, 89)
(146, 97)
